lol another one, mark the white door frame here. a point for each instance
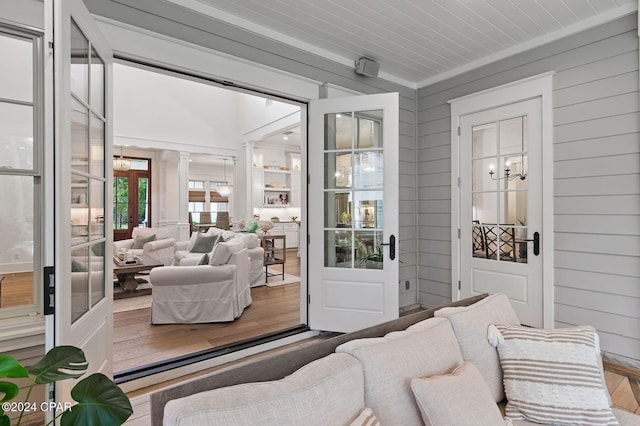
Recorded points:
(536, 86)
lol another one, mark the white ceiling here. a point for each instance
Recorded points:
(416, 42)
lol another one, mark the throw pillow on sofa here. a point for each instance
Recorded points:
(470, 324)
(390, 362)
(204, 260)
(204, 243)
(553, 376)
(459, 398)
(139, 242)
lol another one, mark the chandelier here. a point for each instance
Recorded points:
(121, 163)
(225, 189)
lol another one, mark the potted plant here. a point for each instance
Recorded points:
(99, 400)
(373, 260)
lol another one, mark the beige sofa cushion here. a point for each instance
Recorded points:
(553, 376)
(459, 398)
(390, 363)
(470, 324)
(329, 391)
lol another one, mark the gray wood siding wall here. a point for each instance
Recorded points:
(182, 24)
(596, 178)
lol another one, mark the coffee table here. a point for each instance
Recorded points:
(126, 274)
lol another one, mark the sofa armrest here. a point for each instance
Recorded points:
(159, 244)
(181, 245)
(181, 275)
(123, 244)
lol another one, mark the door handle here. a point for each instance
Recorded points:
(392, 246)
(536, 243)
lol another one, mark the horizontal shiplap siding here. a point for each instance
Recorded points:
(596, 178)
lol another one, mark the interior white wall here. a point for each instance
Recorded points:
(156, 107)
(256, 112)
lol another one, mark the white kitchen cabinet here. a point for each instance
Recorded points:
(291, 231)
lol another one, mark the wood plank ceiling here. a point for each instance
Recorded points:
(416, 42)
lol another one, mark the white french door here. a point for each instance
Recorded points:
(84, 289)
(501, 206)
(353, 211)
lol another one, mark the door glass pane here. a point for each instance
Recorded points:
(368, 170)
(337, 210)
(97, 209)
(79, 137)
(97, 84)
(79, 63)
(16, 136)
(483, 179)
(338, 131)
(368, 249)
(120, 202)
(513, 137)
(96, 275)
(353, 182)
(143, 202)
(79, 209)
(369, 129)
(337, 170)
(485, 207)
(17, 242)
(368, 209)
(338, 249)
(484, 140)
(97, 147)
(79, 282)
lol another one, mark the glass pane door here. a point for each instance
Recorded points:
(353, 190)
(499, 190)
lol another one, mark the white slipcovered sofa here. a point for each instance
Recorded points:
(184, 257)
(160, 248)
(443, 370)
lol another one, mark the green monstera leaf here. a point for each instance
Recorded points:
(61, 362)
(4, 421)
(10, 391)
(100, 403)
(10, 367)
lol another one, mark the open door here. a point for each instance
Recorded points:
(353, 211)
(84, 285)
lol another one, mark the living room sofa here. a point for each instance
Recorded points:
(156, 243)
(419, 369)
(184, 256)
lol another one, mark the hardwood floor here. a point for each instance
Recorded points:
(137, 342)
(17, 289)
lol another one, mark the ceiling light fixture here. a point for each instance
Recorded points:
(120, 163)
(225, 189)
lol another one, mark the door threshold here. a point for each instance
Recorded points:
(211, 357)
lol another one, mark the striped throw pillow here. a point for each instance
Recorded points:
(553, 376)
(366, 418)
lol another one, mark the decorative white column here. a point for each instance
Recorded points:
(183, 196)
(248, 162)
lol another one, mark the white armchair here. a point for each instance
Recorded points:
(160, 249)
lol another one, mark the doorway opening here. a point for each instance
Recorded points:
(197, 137)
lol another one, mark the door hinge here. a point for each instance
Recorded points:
(49, 290)
(308, 299)
(458, 181)
(459, 233)
(459, 285)
(458, 130)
